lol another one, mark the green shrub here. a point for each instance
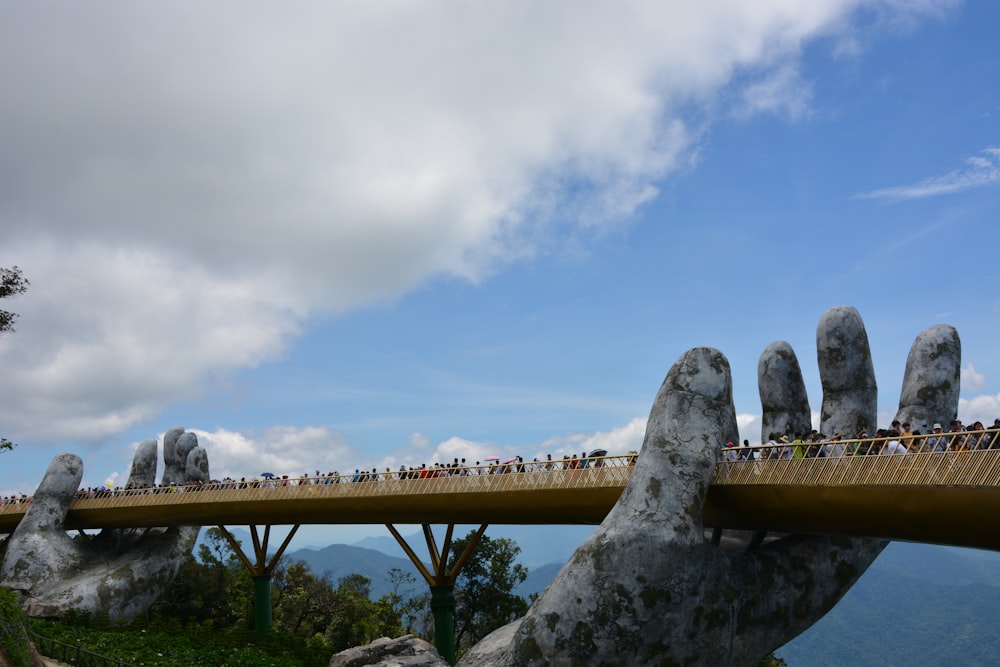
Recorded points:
(13, 639)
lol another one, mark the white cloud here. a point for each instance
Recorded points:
(615, 441)
(984, 408)
(281, 450)
(979, 171)
(781, 92)
(184, 183)
(749, 426)
(972, 380)
(107, 336)
(419, 441)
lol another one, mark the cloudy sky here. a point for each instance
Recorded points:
(340, 235)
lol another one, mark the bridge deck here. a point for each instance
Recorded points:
(950, 497)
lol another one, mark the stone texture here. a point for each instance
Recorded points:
(850, 392)
(647, 588)
(117, 572)
(171, 461)
(932, 379)
(406, 651)
(783, 399)
(143, 473)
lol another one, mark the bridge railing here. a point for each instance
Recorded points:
(586, 473)
(73, 655)
(966, 458)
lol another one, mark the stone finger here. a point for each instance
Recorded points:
(196, 469)
(850, 393)
(172, 467)
(143, 473)
(176, 470)
(783, 399)
(932, 378)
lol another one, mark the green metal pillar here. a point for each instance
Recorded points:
(260, 572)
(443, 608)
(441, 579)
(262, 604)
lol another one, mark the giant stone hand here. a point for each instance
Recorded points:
(118, 572)
(648, 588)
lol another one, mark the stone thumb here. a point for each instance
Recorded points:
(56, 491)
(39, 550)
(691, 417)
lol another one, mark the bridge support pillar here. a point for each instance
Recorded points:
(262, 604)
(443, 608)
(260, 570)
(441, 578)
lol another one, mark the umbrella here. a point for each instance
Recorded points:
(598, 452)
(267, 475)
(492, 458)
(510, 460)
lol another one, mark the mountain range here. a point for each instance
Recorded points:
(917, 604)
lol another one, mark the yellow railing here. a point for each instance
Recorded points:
(605, 472)
(560, 487)
(945, 459)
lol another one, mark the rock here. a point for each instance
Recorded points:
(120, 573)
(780, 385)
(406, 651)
(494, 648)
(647, 588)
(932, 380)
(850, 393)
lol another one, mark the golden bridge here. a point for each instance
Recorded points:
(940, 489)
(855, 488)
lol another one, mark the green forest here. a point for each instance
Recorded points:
(205, 617)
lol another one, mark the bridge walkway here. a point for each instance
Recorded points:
(942, 497)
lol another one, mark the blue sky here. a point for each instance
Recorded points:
(350, 236)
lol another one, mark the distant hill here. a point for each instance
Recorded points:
(540, 545)
(340, 560)
(538, 579)
(917, 605)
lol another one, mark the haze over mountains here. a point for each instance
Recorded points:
(917, 605)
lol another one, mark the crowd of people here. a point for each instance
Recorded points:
(457, 467)
(899, 438)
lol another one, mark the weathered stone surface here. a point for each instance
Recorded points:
(171, 462)
(406, 651)
(494, 648)
(932, 379)
(850, 393)
(115, 572)
(32, 556)
(647, 588)
(143, 473)
(783, 397)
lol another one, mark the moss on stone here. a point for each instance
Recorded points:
(651, 597)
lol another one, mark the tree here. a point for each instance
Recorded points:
(214, 588)
(484, 588)
(409, 608)
(12, 283)
(355, 619)
(303, 603)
